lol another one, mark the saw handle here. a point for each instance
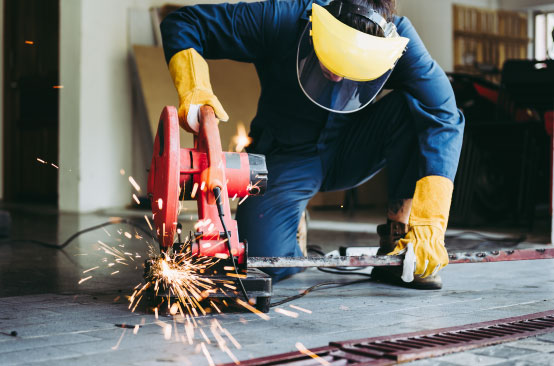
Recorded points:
(208, 140)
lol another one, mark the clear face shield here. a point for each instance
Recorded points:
(342, 69)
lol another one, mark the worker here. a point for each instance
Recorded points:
(321, 65)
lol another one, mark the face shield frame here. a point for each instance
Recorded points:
(345, 51)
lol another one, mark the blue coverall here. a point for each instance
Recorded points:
(416, 130)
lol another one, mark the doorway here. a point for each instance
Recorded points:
(31, 88)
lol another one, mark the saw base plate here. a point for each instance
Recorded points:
(258, 286)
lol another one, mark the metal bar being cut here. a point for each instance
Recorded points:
(386, 260)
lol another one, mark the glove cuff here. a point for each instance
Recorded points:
(431, 203)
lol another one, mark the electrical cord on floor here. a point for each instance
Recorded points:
(219, 204)
(338, 270)
(81, 232)
(310, 289)
(344, 271)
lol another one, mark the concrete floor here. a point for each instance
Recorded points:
(61, 322)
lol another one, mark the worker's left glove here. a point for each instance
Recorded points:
(423, 245)
(191, 77)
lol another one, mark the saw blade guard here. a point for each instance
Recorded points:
(163, 179)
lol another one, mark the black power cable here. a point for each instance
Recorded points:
(219, 204)
(114, 221)
(310, 289)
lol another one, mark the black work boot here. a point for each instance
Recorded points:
(389, 234)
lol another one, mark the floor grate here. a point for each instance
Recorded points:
(397, 348)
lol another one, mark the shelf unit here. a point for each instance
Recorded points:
(484, 39)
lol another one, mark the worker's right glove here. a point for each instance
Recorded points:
(192, 79)
(423, 245)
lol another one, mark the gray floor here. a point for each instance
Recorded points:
(61, 322)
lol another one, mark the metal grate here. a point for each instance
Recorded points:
(393, 349)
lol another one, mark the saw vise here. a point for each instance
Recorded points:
(211, 177)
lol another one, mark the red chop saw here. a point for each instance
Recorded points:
(210, 176)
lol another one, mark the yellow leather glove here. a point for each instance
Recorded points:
(191, 76)
(423, 245)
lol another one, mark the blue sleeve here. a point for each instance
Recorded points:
(439, 123)
(241, 32)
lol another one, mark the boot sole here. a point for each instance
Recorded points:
(386, 275)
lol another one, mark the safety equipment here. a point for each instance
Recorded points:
(191, 77)
(423, 245)
(343, 69)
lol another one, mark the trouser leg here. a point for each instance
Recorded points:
(381, 134)
(270, 222)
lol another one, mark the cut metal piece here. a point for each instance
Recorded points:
(389, 260)
(390, 350)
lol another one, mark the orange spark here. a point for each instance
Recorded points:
(29, 42)
(300, 309)
(58, 87)
(204, 335)
(253, 309)
(307, 352)
(148, 222)
(167, 331)
(194, 189)
(84, 279)
(292, 314)
(136, 199)
(207, 354)
(41, 161)
(233, 340)
(119, 341)
(134, 183)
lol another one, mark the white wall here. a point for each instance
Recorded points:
(433, 21)
(2, 101)
(95, 104)
(69, 120)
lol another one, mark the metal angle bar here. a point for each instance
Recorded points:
(386, 260)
